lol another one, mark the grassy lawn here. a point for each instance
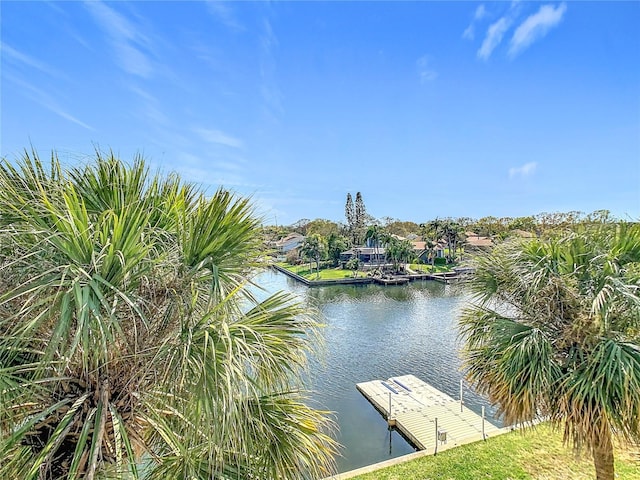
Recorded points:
(339, 274)
(326, 274)
(536, 454)
(420, 267)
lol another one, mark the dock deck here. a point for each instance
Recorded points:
(415, 406)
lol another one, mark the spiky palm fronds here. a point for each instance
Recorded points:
(129, 344)
(554, 331)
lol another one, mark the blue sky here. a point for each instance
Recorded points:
(427, 108)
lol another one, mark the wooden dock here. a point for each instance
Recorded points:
(413, 407)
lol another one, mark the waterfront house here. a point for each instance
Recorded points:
(422, 252)
(290, 242)
(367, 255)
(475, 242)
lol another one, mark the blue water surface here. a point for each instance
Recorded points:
(375, 332)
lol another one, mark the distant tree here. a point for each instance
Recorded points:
(490, 227)
(403, 229)
(370, 220)
(398, 251)
(432, 230)
(356, 218)
(453, 235)
(464, 222)
(557, 223)
(300, 226)
(375, 234)
(527, 224)
(273, 232)
(432, 249)
(350, 215)
(360, 218)
(336, 244)
(386, 221)
(599, 216)
(353, 264)
(293, 257)
(314, 248)
(322, 227)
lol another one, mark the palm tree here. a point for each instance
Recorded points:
(452, 232)
(314, 248)
(405, 251)
(554, 333)
(375, 234)
(432, 249)
(130, 345)
(336, 244)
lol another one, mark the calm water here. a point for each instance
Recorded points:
(375, 332)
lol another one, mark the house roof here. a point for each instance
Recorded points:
(364, 250)
(478, 241)
(419, 245)
(290, 238)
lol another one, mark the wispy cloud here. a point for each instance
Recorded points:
(494, 36)
(210, 175)
(150, 108)
(524, 170)
(425, 71)
(11, 53)
(480, 13)
(46, 100)
(535, 27)
(127, 39)
(271, 94)
(218, 137)
(222, 12)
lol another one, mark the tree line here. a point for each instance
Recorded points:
(326, 239)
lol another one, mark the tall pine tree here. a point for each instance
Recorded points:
(350, 214)
(360, 215)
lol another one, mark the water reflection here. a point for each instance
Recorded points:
(374, 332)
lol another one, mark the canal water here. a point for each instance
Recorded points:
(375, 332)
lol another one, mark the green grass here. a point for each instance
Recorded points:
(421, 267)
(325, 274)
(536, 454)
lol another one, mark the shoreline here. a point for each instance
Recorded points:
(449, 277)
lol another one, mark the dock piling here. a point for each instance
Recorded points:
(435, 451)
(483, 435)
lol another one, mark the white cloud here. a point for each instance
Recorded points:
(269, 89)
(219, 137)
(46, 100)
(223, 13)
(425, 71)
(481, 12)
(23, 58)
(494, 36)
(127, 39)
(523, 171)
(469, 32)
(535, 27)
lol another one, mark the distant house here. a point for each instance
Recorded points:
(290, 242)
(367, 255)
(422, 253)
(477, 242)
